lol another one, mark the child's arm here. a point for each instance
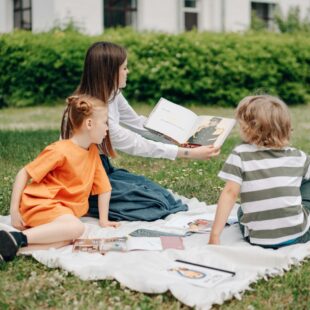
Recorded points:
(20, 183)
(103, 207)
(226, 202)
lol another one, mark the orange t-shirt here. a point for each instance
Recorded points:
(63, 176)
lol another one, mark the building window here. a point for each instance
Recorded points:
(22, 14)
(190, 3)
(265, 12)
(190, 11)
(120, 13)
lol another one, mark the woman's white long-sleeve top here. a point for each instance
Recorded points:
(124, 127)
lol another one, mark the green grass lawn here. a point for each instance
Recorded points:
(26, 284)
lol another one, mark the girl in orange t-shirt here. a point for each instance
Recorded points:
(65, 173)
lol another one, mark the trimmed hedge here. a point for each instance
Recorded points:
(187, 68)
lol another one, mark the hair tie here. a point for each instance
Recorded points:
(71, 99)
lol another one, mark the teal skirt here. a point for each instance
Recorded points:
(135, 198)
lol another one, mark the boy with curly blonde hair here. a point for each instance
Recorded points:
(267, 173)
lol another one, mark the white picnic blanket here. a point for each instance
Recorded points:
(146, 271)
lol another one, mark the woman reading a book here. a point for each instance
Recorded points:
(133, 197)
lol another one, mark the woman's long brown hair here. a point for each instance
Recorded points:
(100, 77)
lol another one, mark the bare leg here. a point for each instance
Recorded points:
(64, 228)
(35, 247)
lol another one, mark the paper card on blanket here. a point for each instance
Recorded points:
(192, 224)
(125, 244)
(99, 245)
(172, 242)
(201, 223)
(199, 275)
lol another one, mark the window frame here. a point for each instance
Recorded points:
(125, 9)
(19, 10)
(196, 10)
(271, 8)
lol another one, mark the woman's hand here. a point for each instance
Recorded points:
(205, 152)
(17, 221)
(202, 152)
(214, 239)
(107, 223)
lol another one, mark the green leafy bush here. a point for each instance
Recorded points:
(293, 22)
(39, 68)
(187, 68)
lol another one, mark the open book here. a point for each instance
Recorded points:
(181, 126)
(198, 274)
(198, 223)
(125, 244)
(201, 223)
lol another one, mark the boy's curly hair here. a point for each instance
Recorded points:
(264, 120)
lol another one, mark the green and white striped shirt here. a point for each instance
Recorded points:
(270, 182)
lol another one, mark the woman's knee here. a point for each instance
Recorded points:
(75, 228)
(78, 229)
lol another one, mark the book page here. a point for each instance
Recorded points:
(170, 242)
(198, 223)
(200, 226)
(87, 245)
(118, 244)
(196, 275)
(155, 243)
(201, 223)
(156, 136)
(211, 130)
(144, 243)
(171, 120)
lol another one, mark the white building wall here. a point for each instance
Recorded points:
(210, 13)
(219, 16)
(238, 12)
(86, 15)
(152, 15)
(6, 16)
(225, 15)
(303, 4)
(205, 15)
(285, 5)
(159, 15)
(43, 15)
(237, 15)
